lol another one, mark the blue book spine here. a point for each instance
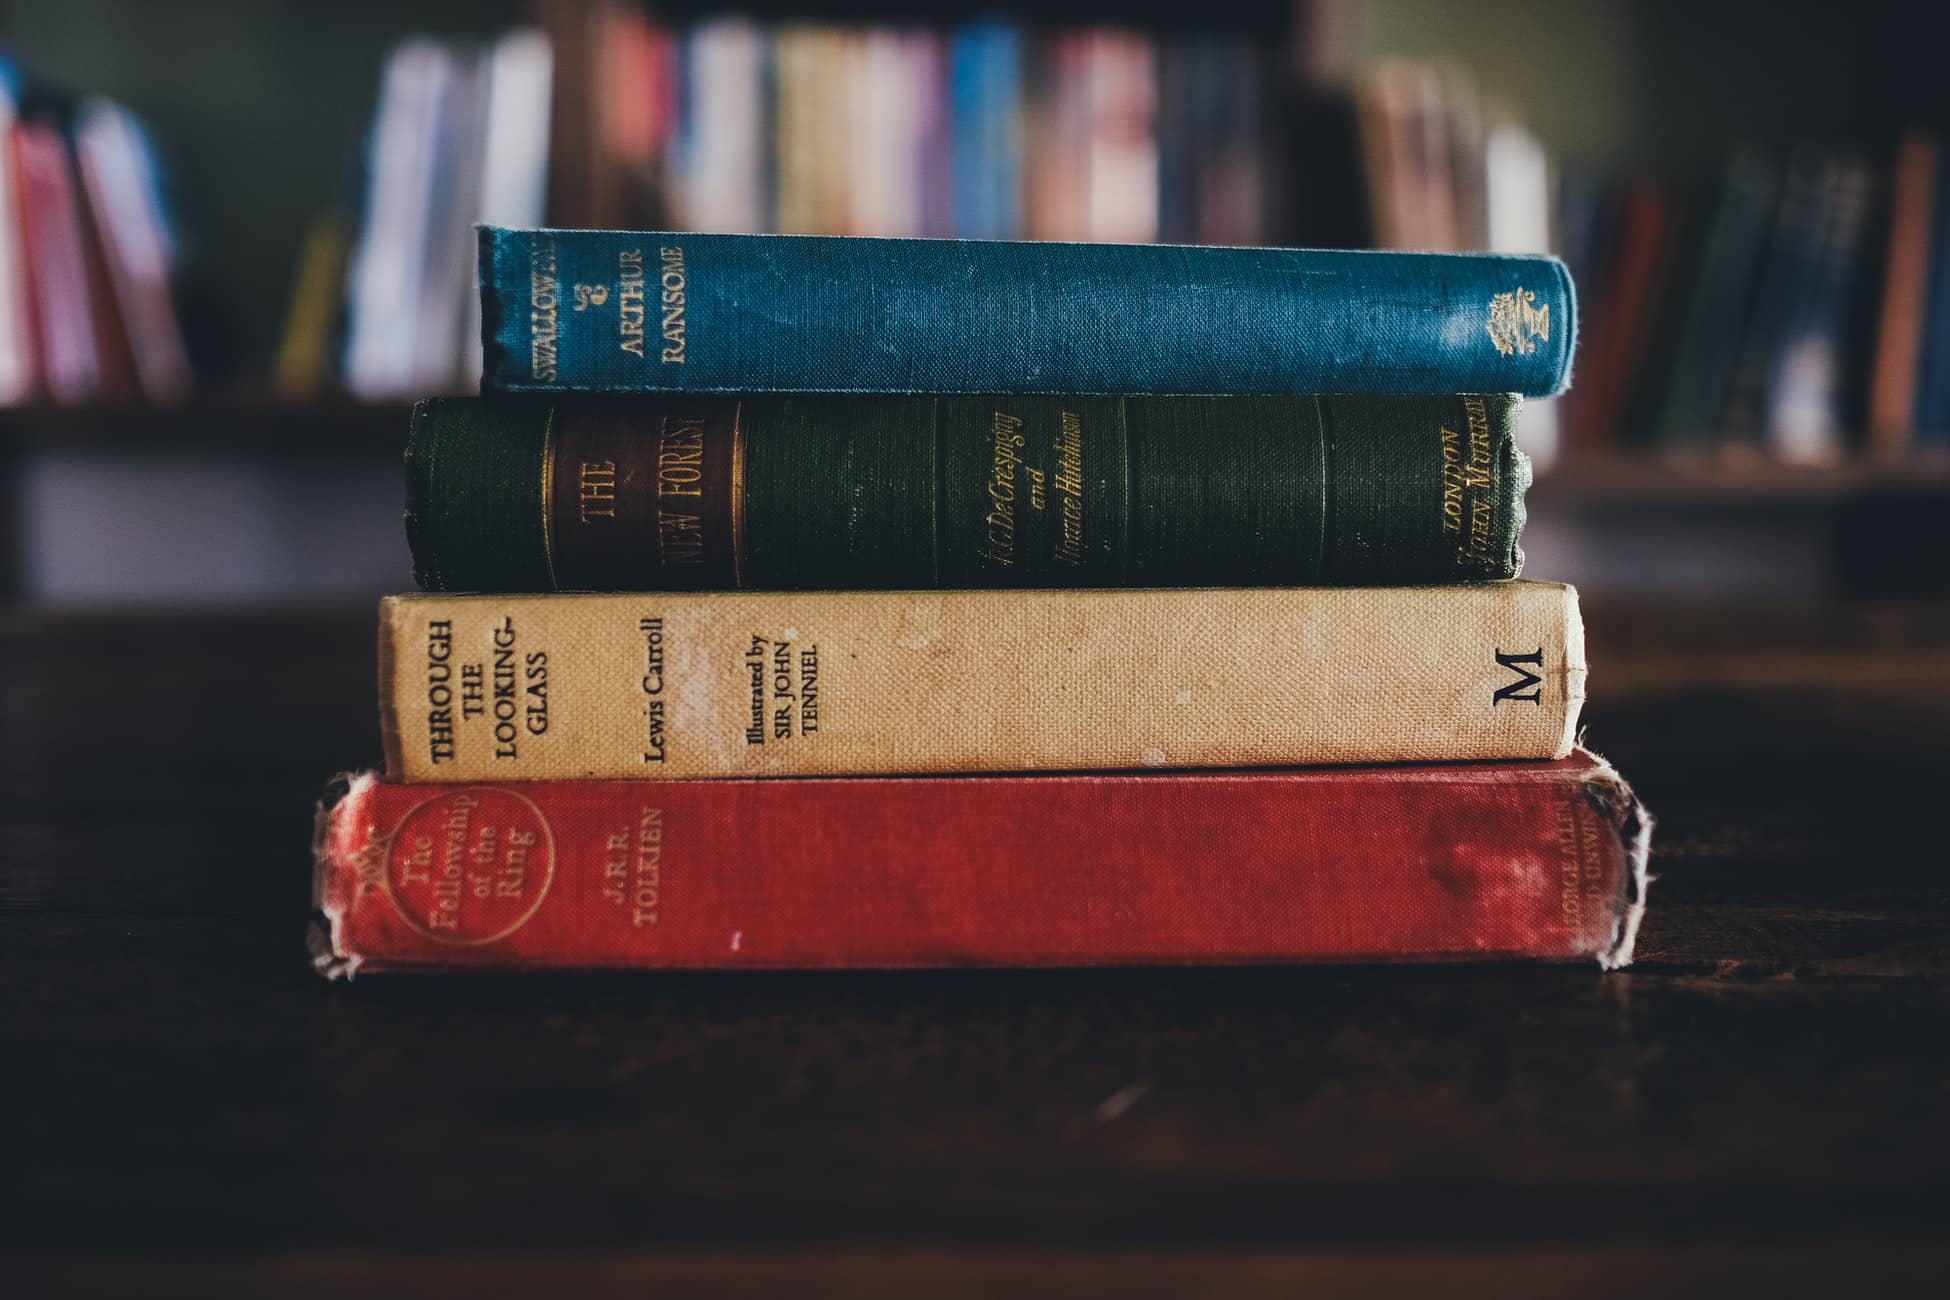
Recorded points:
(1002, 134)
(985, 93)
(966, 129)
(621, 311)
(1932, 409)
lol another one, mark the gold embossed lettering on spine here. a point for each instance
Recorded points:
(633, 495)
(809, 683)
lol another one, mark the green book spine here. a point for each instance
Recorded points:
(671, 492)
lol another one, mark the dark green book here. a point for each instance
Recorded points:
(665, 492)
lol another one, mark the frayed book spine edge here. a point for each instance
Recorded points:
(322, 933)
(1633, 823)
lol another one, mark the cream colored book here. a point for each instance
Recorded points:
(753, 684)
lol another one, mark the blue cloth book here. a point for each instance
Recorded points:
(608, 310)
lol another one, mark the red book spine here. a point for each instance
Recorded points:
(20, 374)
(1542, 860)
(58, 271)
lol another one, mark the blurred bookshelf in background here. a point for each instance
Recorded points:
(224, 283)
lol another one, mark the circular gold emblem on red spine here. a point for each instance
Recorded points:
(470, 865)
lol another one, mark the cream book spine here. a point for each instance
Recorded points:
(754, 684)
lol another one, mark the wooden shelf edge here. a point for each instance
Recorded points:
(245, 426)
(342, 427)
(1652, 481)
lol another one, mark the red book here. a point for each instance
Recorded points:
(20, 364)
(57, 264)
(1624, 323)
(1542, 860)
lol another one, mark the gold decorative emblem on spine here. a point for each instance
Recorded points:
(1517, 324)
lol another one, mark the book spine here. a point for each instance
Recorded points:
(1899, 331)
(57, 266)
(722, 684)
(1793, 250)
(1931, 406)
(1543, 860)
(1809, 375)
(1178, 139)
(688, 491)
(119, 175)
(622, 311)
(817, 177)
(109, 327)
(1121, 194)
(721, 151)
(20, 361)
(386, 276)
(985, 76)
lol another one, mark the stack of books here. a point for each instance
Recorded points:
(882, 603)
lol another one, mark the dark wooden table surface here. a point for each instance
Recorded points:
(190, 1110)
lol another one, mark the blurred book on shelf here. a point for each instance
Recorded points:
(1899, 330)
(1931, 418)
(124, 208)
(86, 255)
(721, 144)
(304, 358)
(458, 138)
(982, 130)
(66, 367)
(1783, 308)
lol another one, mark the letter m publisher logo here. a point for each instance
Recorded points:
(1528, 685)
